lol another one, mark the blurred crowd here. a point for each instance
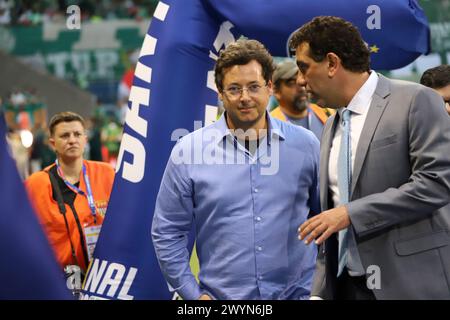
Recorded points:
(27, 121)
(30, 12)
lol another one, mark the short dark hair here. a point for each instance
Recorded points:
(242, 52)
(437, 77)
(326, 34)
(66, 116)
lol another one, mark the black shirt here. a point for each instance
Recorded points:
(67, 194)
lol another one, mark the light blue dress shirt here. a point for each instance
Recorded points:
(246, 210)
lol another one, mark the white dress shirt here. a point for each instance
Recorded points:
(359, 106)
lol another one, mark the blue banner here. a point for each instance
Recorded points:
(174, 93)
(28, 266)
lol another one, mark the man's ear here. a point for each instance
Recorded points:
(52, 143)
(276, 92)
(334, 63)
(270, 86)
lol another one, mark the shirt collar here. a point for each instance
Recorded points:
(273, 128)
(361, 100)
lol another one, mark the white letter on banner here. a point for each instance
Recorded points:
(161, 11)
(123, 295)
(148, 48)
(224, 37)
(210, 114)
(95, 275)
(138, 96)
(374, 21)
(133, 172)
(113, 282)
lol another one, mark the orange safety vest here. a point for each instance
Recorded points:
(38, 185)
(318, 111)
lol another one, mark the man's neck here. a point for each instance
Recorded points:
(354, 82)
(293, 113)
(71, 169)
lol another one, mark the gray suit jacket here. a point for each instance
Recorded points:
(400, 198)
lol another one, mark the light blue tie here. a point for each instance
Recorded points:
(344, 179)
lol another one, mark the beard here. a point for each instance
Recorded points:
(300, 104)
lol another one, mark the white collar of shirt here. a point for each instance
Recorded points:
(359, 105)
(361, 100)
(273, 128)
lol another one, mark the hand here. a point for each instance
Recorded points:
(204, 297)
(323, 225)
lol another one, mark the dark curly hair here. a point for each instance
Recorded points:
(327, 34)
(437, 77)
(242, 52)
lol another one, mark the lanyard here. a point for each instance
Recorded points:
(77, 190)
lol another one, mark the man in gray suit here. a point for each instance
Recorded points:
(385, 174)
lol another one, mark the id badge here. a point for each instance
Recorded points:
(91, 237)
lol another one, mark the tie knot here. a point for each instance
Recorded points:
(345, 115)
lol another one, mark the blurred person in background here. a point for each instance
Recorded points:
(70, 196)
(294, 105)
(94, 136)
(5, 12)
(123, 90)
(26, 114)
(19, 153)
(24, 111)
(438, 78)
(111, 136)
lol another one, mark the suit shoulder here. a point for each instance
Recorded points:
(403, 86)
(407, 90)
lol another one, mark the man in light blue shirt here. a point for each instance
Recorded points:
(246, 183)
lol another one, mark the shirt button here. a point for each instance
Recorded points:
(258, 218)
(256, 190)
(260, 277)
(258, 248)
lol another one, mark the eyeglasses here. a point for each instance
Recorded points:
(235, 92)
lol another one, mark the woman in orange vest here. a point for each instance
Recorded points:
(70, 196)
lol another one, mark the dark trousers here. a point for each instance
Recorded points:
(353, 288)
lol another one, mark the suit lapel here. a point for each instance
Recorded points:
(376, 109)
(325, 147)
